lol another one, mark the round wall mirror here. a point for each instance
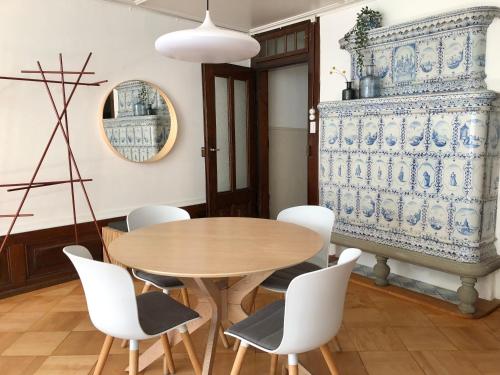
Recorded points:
(138, 122)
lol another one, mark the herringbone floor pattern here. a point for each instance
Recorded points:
(47, 332)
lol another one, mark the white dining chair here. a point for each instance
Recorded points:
(308, 318)
(157, 214)
(151, 215)
(317, 218)
(116, 311)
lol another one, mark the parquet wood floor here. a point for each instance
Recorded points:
(48, 332)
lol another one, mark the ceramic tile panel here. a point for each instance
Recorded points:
(422, 179)
(442, 53)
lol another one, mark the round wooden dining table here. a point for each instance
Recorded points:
(203, 254)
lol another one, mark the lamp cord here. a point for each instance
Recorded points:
(207, 5)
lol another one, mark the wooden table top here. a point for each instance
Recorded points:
(215, 247)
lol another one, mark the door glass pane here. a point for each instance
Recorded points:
(301, 39)
(271, 47)
(290, 42)
(263, 47)
(222, 134)
(240, 133)
(280, 44)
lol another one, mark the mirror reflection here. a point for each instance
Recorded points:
(139, 121)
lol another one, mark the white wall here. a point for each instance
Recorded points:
(122, 40)
(333, 27)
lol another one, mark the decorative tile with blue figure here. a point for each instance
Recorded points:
(441, 133)
(426, 175)
(472, 132)
(475, 178)
(339, 169)
(331, 136)
(391, 133)
(325, 169)
(467, 222)
(350, 134)
(454, 54)
(370, 130)
(412, 215)
(382, 59)
(348, 205)
(453, 176)
(367, 207)
(437, 219)
(494, 133)
(359, 169)
(415, 132)
(478, 51)
(380, 171)
(402, 173)
(404, 63)
(389, 211)
(428, 59)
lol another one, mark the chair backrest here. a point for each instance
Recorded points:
(151, 215)
(317, 218)
(314, 305)
(110, 295)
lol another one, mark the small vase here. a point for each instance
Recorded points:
(369, 84)
(348, 93)
(139, 109)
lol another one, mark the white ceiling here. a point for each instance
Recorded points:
(241, 15)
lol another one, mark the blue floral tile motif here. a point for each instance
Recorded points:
(442, 53)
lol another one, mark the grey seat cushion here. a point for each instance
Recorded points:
(264, 328)
(281, 279)
(158, 280)
(158, 312)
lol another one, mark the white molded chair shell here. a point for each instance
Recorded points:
(317, 218)
(151, 215)
(110, 295)
(314, 306)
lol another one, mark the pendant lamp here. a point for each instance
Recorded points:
(208, 44)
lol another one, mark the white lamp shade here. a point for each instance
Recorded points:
(207, 44)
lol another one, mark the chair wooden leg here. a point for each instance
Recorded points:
(336, 344)
(168, 360)
(236, 345)
(223, 337)
(238, 361)
(103, 355)
(146, 288)
(186, 338)
(133, 364)
(329, 360)
(185, 297)
(274, 364)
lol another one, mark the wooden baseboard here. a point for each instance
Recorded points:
(483, 307)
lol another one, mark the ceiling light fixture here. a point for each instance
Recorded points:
(208, 44)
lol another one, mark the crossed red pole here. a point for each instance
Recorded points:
(65, 132)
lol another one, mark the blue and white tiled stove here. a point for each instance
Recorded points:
(413, 175)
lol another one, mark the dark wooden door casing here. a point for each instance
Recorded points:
(310, 54)
(235, 202)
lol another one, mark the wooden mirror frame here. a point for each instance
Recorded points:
(172, 135)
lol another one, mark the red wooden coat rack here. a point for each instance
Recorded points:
(64, 129)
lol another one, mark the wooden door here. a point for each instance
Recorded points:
(230, 142)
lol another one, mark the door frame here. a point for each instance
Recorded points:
(310, 55)
(231, 72)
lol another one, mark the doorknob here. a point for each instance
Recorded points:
(214, 149)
